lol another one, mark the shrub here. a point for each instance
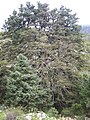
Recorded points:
(2, 115)
(24, 87)
(67, 112)
(52, 112)
(14, 113)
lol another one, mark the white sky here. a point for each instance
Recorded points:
(81, 7)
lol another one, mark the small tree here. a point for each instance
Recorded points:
(24, 87)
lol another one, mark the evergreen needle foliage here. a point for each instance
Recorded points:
(24, 87)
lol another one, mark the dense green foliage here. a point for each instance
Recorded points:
(2, 116)
(24, 87)
(42, 18)
(53, 44)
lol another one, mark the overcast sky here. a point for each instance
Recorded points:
(81, 7)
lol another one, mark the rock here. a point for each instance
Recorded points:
(40, 115)
(28, 117)
(68, 118)
(0, 110)
(86, 118)
(11, 116)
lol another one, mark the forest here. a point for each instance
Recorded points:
(44, 64)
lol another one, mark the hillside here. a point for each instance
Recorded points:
(85, 29)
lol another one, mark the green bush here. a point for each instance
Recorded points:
(2, 116)
(16, 113)
(84, 96)
(52, 112)
(67, 112)
(24, 87)
(81, 117)
(21, 118)
(77, 109)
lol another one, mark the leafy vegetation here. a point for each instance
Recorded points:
(44, 61)
(2, 116)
